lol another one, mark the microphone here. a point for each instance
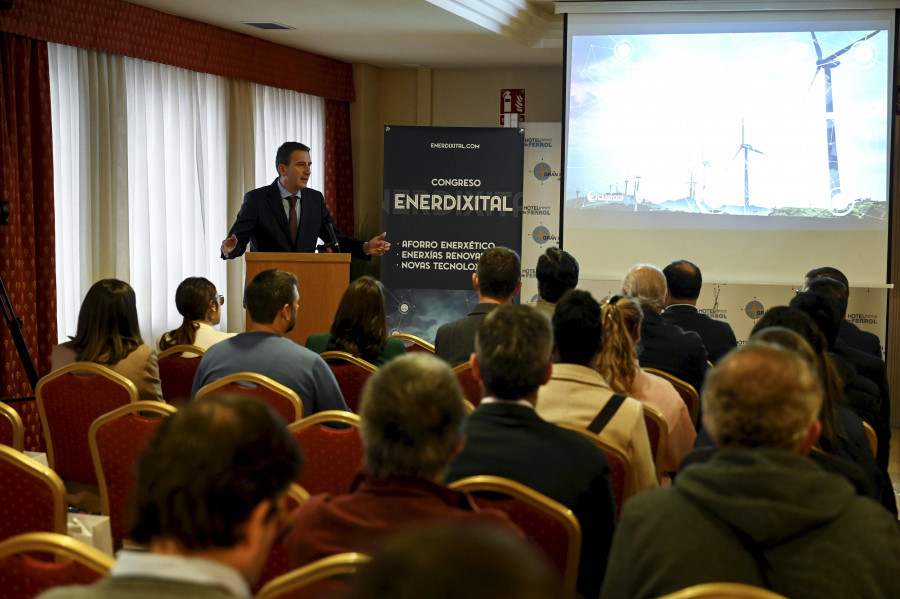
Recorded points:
(329, 228)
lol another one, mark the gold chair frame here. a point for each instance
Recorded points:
(60, 545)
(694, 408)
(16, 424)
(559, 512)
(723, 590)
(345, 357)
(609, 449)
(872, 436)
(334, 565)
(414, 340)
(181, 349)
(49, 477)
(77, 367)
(325, 416)
(660, 420)
(258, 379)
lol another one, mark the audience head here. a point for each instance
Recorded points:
(212, 478)
(107, 323)
(762, 395)
(456, 562)
(557, 272)
(197, 301)
(512, 352)
(647, 284)
(360, 323)
(576, 328)
(827, 271)
(683, 279)
(270, 295)
(497, 274)
(411, 418)
(621, 317)
(828, 286)
(824, 312)
(283, 155)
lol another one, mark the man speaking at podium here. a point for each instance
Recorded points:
(287, 216)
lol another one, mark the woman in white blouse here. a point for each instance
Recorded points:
(201, 306)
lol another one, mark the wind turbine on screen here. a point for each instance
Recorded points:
(746, 148)
(826, 64)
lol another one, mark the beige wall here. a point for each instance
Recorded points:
(437, 98)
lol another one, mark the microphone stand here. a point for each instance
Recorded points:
(15, 328)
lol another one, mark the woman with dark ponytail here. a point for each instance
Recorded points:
(201, 306)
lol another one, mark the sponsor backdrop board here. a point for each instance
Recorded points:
(450, 193)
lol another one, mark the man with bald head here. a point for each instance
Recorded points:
(759, 512)
(663, 346)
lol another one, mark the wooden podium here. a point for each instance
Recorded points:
(322, 280)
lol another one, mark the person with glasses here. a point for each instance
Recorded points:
(201, 306)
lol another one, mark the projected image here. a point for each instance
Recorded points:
(766, 124)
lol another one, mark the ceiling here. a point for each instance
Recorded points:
(396, 33)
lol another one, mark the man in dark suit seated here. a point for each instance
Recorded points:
(497, 281)
(683, 282)
(849, 333)
(664, 346)
(505, 436)
(287, 216)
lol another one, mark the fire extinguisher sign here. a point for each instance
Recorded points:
(512, 107)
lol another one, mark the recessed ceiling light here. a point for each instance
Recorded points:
(266, 25)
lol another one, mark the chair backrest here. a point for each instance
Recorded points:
(25, 576)
(351, 374)
(278, 562)
(12, 431)
(872, 436)
(32, 496)
(306, 582)
(413, 343)
(471, 386)
(116, 440)
(333, 455)
(69, 400)
(619, 465)
(282, 399)
(658, 433)
(723, 590)
(685, 390)
(177, 367)
(551, 525)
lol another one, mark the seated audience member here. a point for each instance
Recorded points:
(664, 346)
(360, 325)
(759, 512)
(556, 273)
(200, 304)
(848, 332)
(617, 363)
(207, 504)
(577, 394)
(683, 282)
(496, 279)
(455, 562)
(108, 334)
(411, 421)
(272, 302)
(505, 436)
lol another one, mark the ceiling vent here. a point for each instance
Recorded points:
(266, 25)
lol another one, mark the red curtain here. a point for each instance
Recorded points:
(338, 164)
(28, 260)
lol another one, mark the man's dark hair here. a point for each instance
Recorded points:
(513, 345)
(557, 272)
(577, 328)
(837, 290)
(268, 292)
(828, 271)
(824, 312)
(208, 466)
(499, 270)
(683, 279)
(283, 155)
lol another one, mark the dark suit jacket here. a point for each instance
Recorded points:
(668, 348)
(859, 339)
(717, 336)
(509, 440)
(263, 223)
(455, 341)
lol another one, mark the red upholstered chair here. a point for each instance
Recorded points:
(278, 562)
(323, 578)
(471, 386)
(658, 432)
(413, 343)
(12, 431)
(177, 367)
(619, 465)
(333, 456)
(685, 390)
(69, 400)
(551, 525)
(116, 441)
(32, 496)
(283, 400)
(351, 374)
(24, 575)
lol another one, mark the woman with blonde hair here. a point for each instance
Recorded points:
(201, 306)
(617, 362)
